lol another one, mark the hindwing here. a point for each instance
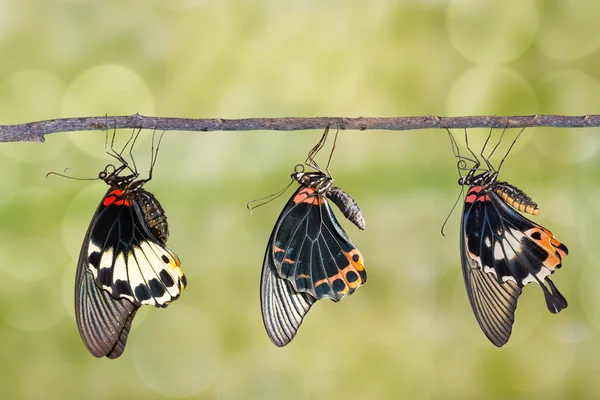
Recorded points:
(502, 251)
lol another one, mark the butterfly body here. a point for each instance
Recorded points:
(502, 251)
(309, 256)
(124, 263)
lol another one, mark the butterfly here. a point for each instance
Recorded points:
(124, 261)
(309, 256)
(501, 250)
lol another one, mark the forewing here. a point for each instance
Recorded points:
(283, 308)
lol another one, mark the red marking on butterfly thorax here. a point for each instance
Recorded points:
(474, 195)
(309, 196)
(117, 198)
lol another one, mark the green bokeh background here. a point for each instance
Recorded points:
(409, 332)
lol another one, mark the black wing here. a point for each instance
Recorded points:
(502, 251)
(309, 257)
(121, 266)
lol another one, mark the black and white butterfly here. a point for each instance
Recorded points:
(309, 256)
(501, 250)
(124, 261)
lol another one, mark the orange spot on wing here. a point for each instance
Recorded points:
(359, 263)
(554, 248)
(309, 196)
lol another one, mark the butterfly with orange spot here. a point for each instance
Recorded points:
(501, 250)
(309, 256)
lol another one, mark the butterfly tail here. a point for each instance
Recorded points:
(554, 299)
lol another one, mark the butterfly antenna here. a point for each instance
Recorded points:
(462, 190)
(461, 165)
(310, 159)
(332, 149)
(510, 148)
(63, 175)
(268, 198)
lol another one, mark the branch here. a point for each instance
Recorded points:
(35, 131)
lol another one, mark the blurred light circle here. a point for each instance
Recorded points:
(42, 308)
(31, 258)
(488, 31)
(28, 96)
(177, 353)
(568, 92)
(31, 212)
(569, 30)
(490, 90)
(105, 90)
(571, 329)
(575, 93)
(537, 368)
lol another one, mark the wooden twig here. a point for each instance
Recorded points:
(35, 131)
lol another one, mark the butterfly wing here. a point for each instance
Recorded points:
(502, 251)
(309, 257)
(283, 308)
(122, 266)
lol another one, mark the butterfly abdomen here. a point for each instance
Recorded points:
(516, 198)
(154, 215)
(347, 206)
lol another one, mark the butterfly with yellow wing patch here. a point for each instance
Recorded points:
(124, 261)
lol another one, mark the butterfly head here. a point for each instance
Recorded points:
(317, 180)
(484, 179)
(111, 175)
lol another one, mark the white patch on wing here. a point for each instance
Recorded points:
(498, 252)
(508, 278)
(487, 241)
(120, 271)
(105, 262)
(490, 270)
(136, 278)
(155, 253)
(93, 248)
(539, 277)
(120, 268)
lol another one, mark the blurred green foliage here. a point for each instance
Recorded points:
(409, 332)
